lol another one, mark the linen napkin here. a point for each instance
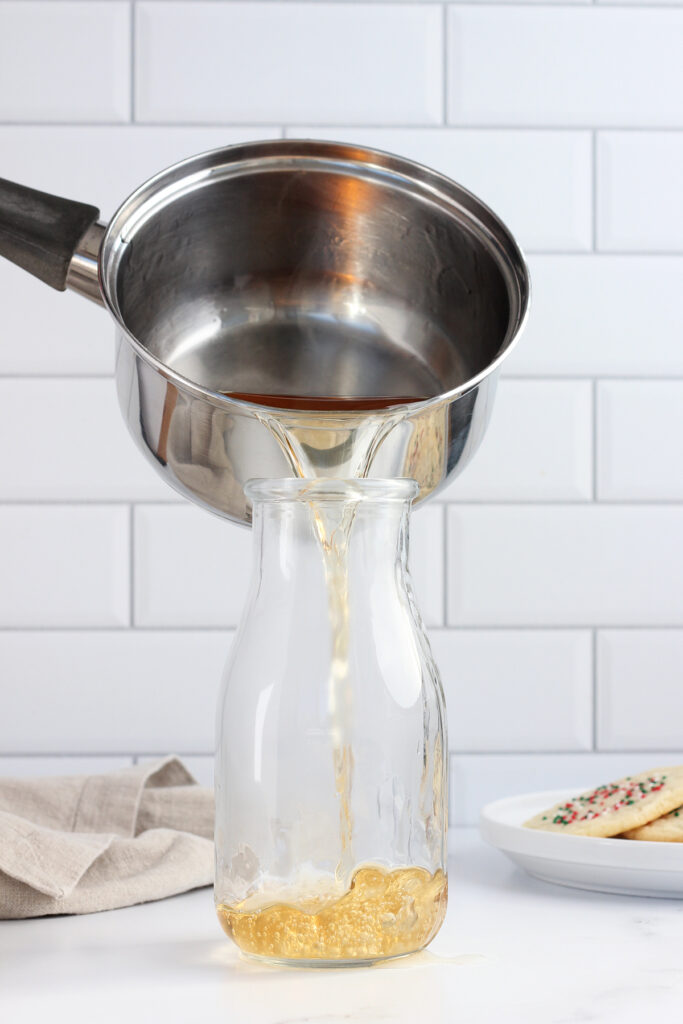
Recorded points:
(79, 844)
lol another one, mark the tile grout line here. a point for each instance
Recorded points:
(452, 753)
(60, 754)
(172, 628)
(594, 417)
(416, 126)
(642, 376)
(636, 378)
(444, 59)
(638, 5)
(132, 62)
(573, 504)
(594, 190)
(567, 503)
(445, 566)
(594, 693)
(57, 376)
(231, 628)
(131, 564)
(607, 253)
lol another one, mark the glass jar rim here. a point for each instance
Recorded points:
(330, 489)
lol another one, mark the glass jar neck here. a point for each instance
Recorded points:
(293, 519)
(330, 491)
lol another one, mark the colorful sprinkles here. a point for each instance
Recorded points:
(598, 801)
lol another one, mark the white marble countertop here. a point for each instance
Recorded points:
(512, 950)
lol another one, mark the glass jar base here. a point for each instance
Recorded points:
(370, 961)
(383, 914)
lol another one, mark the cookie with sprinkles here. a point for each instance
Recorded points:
(667, 829)
(616, 807)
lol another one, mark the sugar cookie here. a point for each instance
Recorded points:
(667, 829)
(617, 807)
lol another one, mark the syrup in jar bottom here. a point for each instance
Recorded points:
(384, 913)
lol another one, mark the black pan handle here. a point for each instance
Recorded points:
(40, 232)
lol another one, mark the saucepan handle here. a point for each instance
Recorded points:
(45, 234)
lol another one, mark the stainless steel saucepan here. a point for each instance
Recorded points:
(372, 299)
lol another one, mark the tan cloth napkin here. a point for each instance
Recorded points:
(78, 844)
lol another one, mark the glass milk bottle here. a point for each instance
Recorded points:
(331, 770)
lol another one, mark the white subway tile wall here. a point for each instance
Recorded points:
(111, 691)
(602, 316)
(517, 690)
(69, 443)
(518, 461)
(25, 767)
(64, 565)
(551, 573)
(554, 565)
(640, 436)
(557, 66)
(302, 62)
(639, 694)
(191, 568)
(639, 187)
(65, 61)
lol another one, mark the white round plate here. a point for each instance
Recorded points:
(626, 866)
